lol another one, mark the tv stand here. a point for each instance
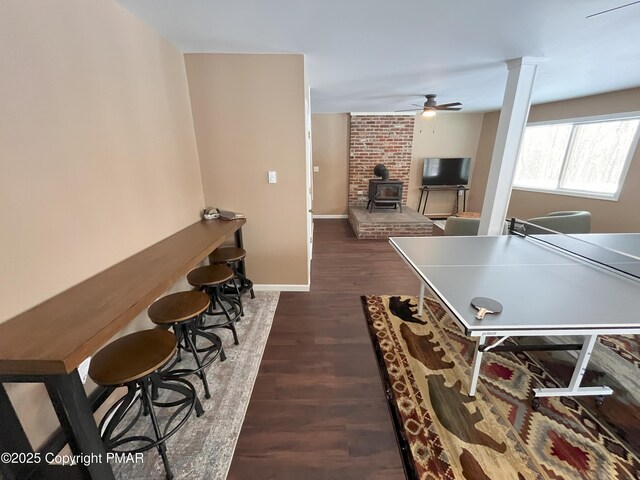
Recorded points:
(425, 189)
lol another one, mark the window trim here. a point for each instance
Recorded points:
(581, 120)
(572, 193)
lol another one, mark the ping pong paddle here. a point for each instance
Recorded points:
(485, 305)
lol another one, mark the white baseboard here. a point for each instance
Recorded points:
(281, 288)
(326, 217)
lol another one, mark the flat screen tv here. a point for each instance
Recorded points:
(446, 171)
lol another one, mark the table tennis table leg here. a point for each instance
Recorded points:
(583, 361)
(475, 367)
(574, 388)
(421, 299)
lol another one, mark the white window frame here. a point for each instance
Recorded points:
(579, 120)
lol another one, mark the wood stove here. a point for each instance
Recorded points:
(385, 194)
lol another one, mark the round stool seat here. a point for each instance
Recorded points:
(132, 357)
(178, 307)
(227, 254)
(209, 275)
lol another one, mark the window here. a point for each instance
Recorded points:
(585, 158)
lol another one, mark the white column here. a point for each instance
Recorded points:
(513, 119)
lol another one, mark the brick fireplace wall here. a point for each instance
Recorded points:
(374, 139)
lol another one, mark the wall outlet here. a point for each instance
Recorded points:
(316, 169)
(360, 192)
(273, 178)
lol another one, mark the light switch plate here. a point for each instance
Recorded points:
(273, 178)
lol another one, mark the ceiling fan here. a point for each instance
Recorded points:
(430, 107)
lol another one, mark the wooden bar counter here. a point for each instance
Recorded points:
(47, 343)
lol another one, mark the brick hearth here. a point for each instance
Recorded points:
(378, 224)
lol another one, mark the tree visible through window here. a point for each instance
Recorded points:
(580, 157)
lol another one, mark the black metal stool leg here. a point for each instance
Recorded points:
(245, 282)
(213, 295)
(189, 334)
(145, 410)
(238, 295)
(162, 448)
(201, 373)
(177, 331)
(216, 342)
(234, 304)
(119, 409)
(194, 332)
(154, 392)
(158, 382)
(231, 322)
(219, 297)
(232, 327)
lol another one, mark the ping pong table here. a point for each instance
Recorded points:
(549, 285)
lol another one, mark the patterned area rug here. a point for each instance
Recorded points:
(445, 434)
(203, 448)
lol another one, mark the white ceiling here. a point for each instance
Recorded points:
(380, 55)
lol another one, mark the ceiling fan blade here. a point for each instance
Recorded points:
(410, 110)
(449, 109)
(416, 105)
(455, 104)
(612, 9)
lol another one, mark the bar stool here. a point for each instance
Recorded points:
(211, 279)
(183, 312)
(234, 257)
(133, 361)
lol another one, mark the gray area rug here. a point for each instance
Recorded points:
(203, 447)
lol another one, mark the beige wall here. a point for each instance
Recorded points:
(98, 158)
(331, 156)
(248, 115)
(607, 216)
(446, 135)
(97, 150)
(452, 135)
(482, 163)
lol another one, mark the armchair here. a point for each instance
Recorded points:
(563, 222)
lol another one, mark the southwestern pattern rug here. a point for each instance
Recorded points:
(445, 434)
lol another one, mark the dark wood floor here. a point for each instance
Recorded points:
(318, 409)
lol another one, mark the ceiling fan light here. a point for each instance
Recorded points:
(429, 113)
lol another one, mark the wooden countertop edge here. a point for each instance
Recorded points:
(34, 368)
